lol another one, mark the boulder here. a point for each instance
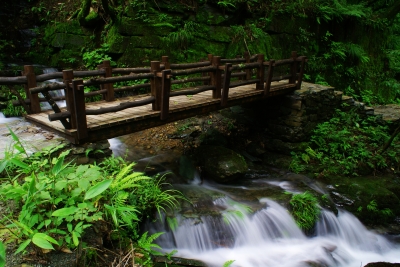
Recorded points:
(222, 164)
(382, 264)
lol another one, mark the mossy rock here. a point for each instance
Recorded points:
(215, 33)
(203, 46)
(69, 41)
(367, 197)
(211, 16)
(140, 56)
(222, 164)
(133, 27)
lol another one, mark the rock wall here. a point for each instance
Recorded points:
(291, 119)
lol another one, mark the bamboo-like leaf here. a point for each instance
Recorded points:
(98, 189)
(64, 212)
(42, 240)
(75, 238)
(2, 255)
(58, 166)
(19, 163)
(23, 246)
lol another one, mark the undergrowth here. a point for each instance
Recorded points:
(350, 145)
(57, 201)
(305, 210)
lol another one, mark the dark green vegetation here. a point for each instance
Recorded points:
(305, 210)
(53, 203)
(352, 45)
(350, 145)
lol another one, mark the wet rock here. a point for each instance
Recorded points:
(222, 164)
(161, 261)
(381, 264)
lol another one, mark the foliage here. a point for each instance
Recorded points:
(305, 210)
(11, 110)
(60, 200)
(372, 207)
(228, 263)
(2, 254)
(348, 144)
(95, 57)
(249, 38)
(147, 247)
(183, 37)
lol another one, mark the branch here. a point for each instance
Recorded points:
(387, 145)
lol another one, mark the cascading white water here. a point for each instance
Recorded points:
(55, 93)
(270, 237)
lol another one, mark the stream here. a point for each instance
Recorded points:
(249, 224)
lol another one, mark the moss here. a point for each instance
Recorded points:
(131, 27)
(211, 16)
(117, 42)
(204, 47)
(140, 56)
(356, 193)
(65, 40)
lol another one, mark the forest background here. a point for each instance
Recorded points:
(352, 45)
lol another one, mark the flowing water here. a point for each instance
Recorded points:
(266, 236)
(270, 237)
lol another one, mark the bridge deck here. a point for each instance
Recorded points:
(135, 119)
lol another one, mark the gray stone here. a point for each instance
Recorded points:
(222, 164)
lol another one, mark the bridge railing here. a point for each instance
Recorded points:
(216, 74)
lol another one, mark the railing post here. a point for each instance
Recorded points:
(300, 78)
(216, 77)
(248, 72)
(68, 77)
(165, 90)
(225, 87)
(260, 72)
(29, 72)
(108, 86)
(155, 84)
(210, 58)
(268, 80)
(79, 109)
(293, 68)
(165, 62)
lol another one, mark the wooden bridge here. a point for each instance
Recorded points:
(213, 84)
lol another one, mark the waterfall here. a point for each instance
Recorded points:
(55, 93)
(270, 237)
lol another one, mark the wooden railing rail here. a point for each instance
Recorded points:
(215, 74)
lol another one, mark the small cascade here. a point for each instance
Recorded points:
(270, 237)
(55, 93)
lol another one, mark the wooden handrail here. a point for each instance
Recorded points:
(216, 76)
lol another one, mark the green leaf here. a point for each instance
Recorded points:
(60, 185)
(75, 238)
(42, 240)
(58, 166)
(19, 163)
(65, 211)
(2, 255)
(23, 246)
(98, 189)
(83, 184)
